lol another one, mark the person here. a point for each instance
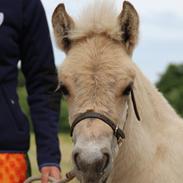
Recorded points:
(24, 36)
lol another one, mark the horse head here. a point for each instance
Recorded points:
(97, 79)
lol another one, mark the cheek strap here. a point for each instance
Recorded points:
(135, 105)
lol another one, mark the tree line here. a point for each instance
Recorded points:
(171, 85)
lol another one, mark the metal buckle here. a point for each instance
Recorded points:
(116, 131)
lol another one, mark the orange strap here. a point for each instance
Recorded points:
(13, 168)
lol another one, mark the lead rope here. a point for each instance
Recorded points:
(69, 176)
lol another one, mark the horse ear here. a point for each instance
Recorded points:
(129, 25)
(62, 25)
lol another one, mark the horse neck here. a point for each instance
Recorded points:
(156, 112)
(156, 115)
(142, 137)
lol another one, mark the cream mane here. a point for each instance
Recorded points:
(99, 17)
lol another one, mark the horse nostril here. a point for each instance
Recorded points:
(92, 161)
(106, 159)
(76, 160)
(101, 164)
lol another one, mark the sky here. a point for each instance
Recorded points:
(161, 32)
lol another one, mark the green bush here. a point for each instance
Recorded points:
(171, 85)
(64, 124)
(21, 79)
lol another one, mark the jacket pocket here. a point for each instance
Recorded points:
(18, 118)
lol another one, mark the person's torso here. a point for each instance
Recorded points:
(10, 38)
(13, 125)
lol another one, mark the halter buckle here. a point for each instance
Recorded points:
(116, 130)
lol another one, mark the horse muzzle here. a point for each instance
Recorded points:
(93, 164)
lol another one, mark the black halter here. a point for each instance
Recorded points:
(119, 133)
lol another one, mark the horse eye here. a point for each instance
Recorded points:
(128, 90)
(63, 89)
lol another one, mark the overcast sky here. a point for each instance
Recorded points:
(161, 32)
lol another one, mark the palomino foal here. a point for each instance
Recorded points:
(123, 129)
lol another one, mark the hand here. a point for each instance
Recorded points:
(52, 171)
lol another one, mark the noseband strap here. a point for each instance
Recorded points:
(94, 115)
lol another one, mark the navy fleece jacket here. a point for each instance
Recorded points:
(24, 36)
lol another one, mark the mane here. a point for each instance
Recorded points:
(99, 17)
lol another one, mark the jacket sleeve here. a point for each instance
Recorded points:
(41, 81)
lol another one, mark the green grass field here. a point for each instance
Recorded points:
(66, 146)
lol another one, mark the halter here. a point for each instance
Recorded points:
(118, 132)
(89, 115)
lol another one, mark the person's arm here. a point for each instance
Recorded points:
(41, 81)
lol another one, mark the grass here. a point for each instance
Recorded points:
(66, 146)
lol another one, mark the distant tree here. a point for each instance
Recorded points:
(171, 85)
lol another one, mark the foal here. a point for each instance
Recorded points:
(123, 130)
